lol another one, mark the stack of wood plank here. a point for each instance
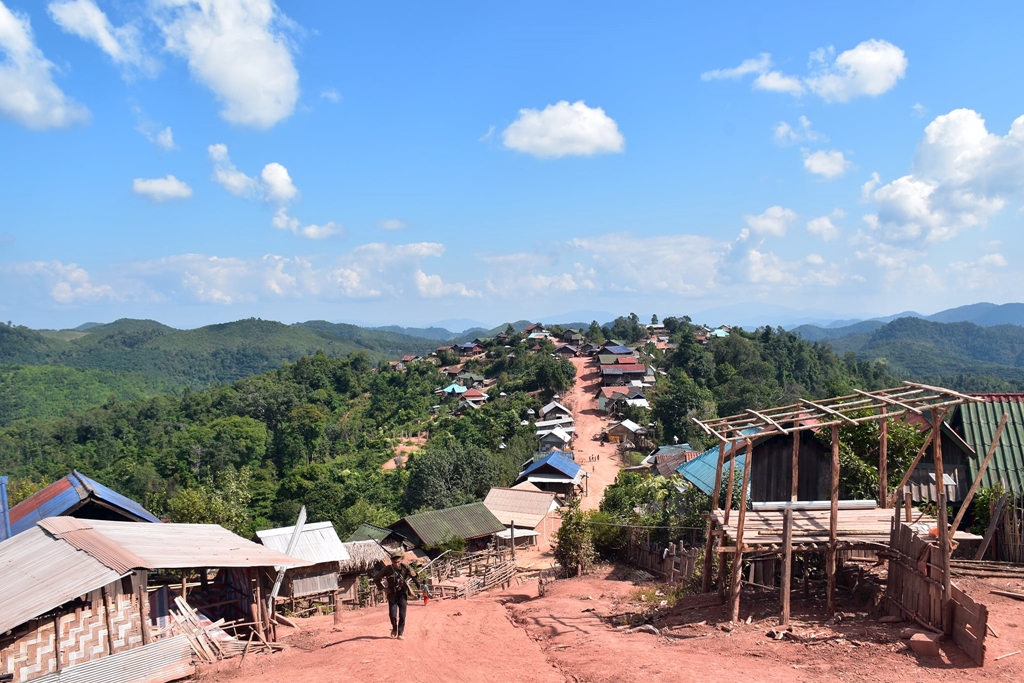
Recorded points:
(209, 642)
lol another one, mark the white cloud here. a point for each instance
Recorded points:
(87, 21)
(786, 134)
(871, 68)
(165, 140)
(486, 136)
(564, 129)
(65, 283)
(237, 49)
(390, 224)
(229, 177)
(758, 65)
(829, 165)
(282, 221)
(962, 176)
(869, 187)
(823, 227)
(27, 91)
(672, 264)
(277, 183)
(774, 221)
(776, 81)
(161, 137)
(331, 95)
(160, 190)
(815, 259)
(919, 110)
(769, 269)
(432, 286)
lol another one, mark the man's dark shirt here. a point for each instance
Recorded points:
(396, 581)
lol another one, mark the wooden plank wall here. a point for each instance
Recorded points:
(674, 564)
(914, 592)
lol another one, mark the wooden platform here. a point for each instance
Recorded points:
(856, 529)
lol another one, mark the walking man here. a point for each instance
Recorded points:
(394, 581)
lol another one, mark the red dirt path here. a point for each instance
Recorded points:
(590, 422)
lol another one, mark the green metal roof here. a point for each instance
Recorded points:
(465, 521)
(980, 421)
(368, 532)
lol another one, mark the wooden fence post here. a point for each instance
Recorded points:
(787, 562)
(737, 563)
(833, 527)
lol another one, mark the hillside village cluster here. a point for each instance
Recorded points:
(139, 593)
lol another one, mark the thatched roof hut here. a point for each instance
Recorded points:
(362, 555)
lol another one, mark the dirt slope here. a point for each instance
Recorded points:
(600, 461)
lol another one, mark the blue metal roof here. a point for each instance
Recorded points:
(701, 470)
(67, 494)
(558, 462)
(457, 388)
(674, 449)
(617, 350)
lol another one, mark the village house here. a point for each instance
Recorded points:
(622, 374)
(553, 410)
(377, 534)
(472, 523)
(533, 329)
(557, 474)
(560, 421)
(362, 555)
(534, 514)
(475, 396)
(628, 433)
(318, 543)
(75, 495)
(567, 351)
(469, 349)
(556, 438)
(78, 603)
(615, 399)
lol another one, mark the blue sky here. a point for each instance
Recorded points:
(197, 161)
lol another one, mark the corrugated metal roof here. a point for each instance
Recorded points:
(556, 461)
(368, 532)
(39, 572)
(69, 493)
(526, 508)
(554, 405)
(701, 470)
(317, 543)
(80, 534)
(187, 546)
(980, 421)
(465, 521)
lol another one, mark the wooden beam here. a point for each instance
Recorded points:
(883, 462)
(768, 420)
(795, 468)
(993, 524)
(737, 562)
(942, 517)
(981, 471)
(941, 390)
(890, 401)
(827, 410)
(729, 484)
(833, 526)
(709, 430)
(709, 544)
(787, 563)
(913, 465)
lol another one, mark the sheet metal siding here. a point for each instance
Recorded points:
(465, 521)
(39, 572)
(318, 542)
(980, 422)
(165, 660)
(771, 478)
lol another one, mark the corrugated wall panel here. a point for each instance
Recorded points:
(159, 662)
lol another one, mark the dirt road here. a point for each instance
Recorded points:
(600, 461)
(565, 637)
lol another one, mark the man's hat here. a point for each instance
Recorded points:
(397, 554)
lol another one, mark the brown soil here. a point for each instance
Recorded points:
(568, 636)
(596, 457)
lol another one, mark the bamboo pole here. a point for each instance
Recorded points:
(787, 563)
(942, 515)
(833, 526)
(883, 463)
(705, 584)
(729, 486)
(981, 471)
(737, 561)
(795, 487)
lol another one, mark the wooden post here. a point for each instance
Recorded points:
(58, 651)
(883, 463)
(108, 619)
(338, 601)
(787, 562)
(795, 488)
(184, 584)
(512, 538)
(993, 524)
(807, 575)
(942, 513)
(981, 472)
(147, 635)
(709, 544)
(729, 486)
(908, 504)
(833, 526)
(737, 562)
